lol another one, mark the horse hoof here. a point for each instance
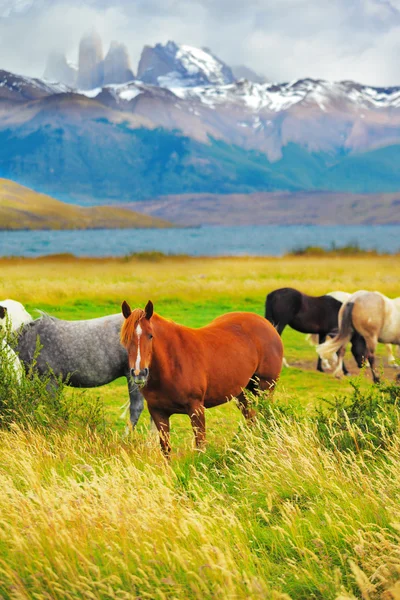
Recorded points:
(339, 375)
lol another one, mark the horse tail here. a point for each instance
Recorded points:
(328, 349)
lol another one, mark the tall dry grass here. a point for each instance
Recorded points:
(61, 280)
(286, 509)
(276, 514)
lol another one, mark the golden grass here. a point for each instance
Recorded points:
(60, 280)
(265, 513)
(275, 514)
(22, 208)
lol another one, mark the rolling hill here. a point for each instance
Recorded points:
(22, 208)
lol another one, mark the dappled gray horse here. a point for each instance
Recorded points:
(84, 353)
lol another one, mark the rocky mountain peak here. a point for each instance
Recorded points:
(90, 62)
(173, 65)
(58, 69)
(117, 67)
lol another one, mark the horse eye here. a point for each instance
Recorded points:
(150, 336)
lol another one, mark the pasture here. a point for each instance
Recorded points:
(268, 512)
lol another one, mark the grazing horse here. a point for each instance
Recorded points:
(314, 340)
(184, 370)
(83, 353)
(308, 314)
(372, 315)
(12, 315)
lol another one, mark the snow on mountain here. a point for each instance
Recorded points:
(279, 97)
(173, 65)
(27, 87)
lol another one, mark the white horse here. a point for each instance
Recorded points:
(12, 315)
(372, 315)
(313, 339)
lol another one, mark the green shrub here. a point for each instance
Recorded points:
(350, 249)
(367, 419)
(30, 400)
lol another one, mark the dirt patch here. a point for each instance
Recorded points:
(389, 373)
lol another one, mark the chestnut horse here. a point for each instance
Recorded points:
(184, 370)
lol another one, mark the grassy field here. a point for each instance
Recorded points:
(277, 511)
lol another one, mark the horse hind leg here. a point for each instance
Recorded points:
(371, 343)
(245, 405)
(255, 386)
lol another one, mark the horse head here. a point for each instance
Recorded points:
(137, 338)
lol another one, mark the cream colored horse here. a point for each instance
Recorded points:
(372, 315)
(313, 340)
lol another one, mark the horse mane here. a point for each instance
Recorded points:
(44, 315)
(130, 324)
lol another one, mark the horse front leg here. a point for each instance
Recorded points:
(321, 340)
(161, 421)
(136, 402)
(198, 421)
(391, 358)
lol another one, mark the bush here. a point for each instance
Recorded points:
(368, 418)
(33, 401)
(347, 250)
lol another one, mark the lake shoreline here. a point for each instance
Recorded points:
(257, 240)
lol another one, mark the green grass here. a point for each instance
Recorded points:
(309, 387)
(302, 505)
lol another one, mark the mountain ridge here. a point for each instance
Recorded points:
(134, 141)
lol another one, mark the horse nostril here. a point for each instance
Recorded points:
(133, 372)
(145, 371)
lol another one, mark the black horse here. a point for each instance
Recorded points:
(309, 314)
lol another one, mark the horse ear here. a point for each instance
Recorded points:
(148, 310)
(3, 311)
(126, 309)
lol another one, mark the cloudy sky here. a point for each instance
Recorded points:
(282, 39)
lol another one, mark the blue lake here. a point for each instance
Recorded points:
(273, 240)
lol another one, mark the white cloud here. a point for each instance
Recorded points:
(284, 39)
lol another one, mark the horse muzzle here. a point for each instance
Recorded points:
(140, 377)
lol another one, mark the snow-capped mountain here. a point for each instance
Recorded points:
(279, 97)
(18, 88)
(172, 65)
(242, 136)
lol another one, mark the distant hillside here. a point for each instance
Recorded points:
(276, 208)
(22, 208)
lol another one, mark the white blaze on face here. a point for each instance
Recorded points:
(138, 357)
